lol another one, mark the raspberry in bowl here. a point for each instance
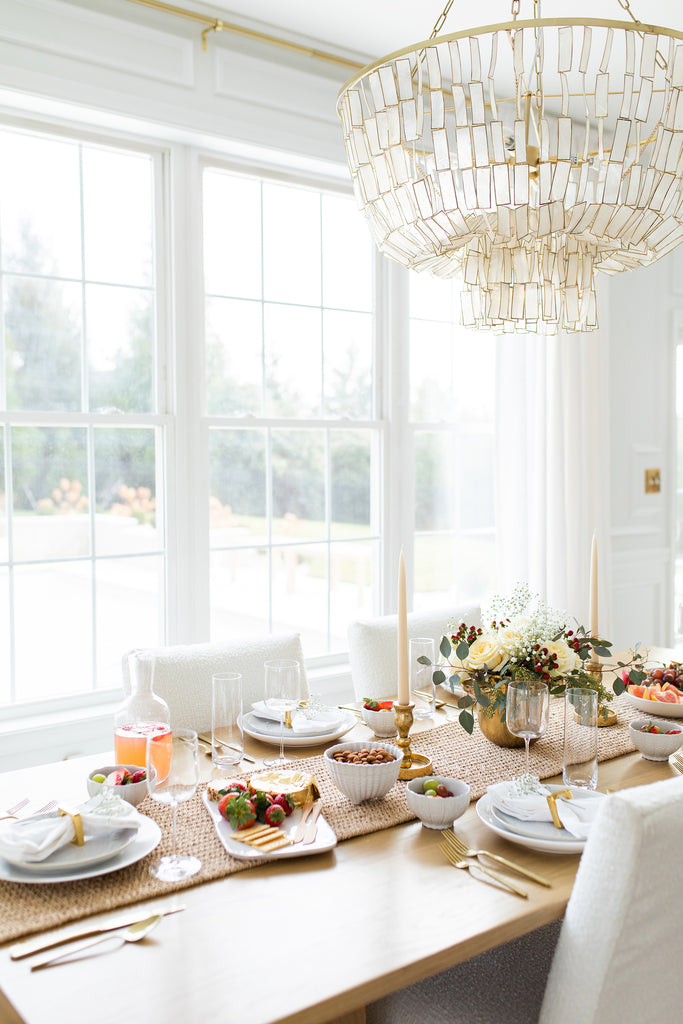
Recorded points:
(379, 715)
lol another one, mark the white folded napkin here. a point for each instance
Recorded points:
(576, 816)
(325, 720)
(34, 839)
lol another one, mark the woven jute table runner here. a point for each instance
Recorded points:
(27, 908)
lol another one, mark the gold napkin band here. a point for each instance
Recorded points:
(78, 838)
(552, 799)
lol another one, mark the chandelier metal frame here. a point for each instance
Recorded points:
(529, 193)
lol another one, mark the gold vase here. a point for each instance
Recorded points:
(495, 729)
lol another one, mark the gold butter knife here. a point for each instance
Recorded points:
(37, 945)
(205, 737)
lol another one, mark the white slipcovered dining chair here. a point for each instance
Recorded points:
(618, 954)
(182, 673)
(373, 645)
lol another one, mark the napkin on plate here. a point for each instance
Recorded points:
(32, 840)
(576, 816)
(325, 720)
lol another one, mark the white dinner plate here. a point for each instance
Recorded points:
(148, 837)
(93, 851)
(656, 708)
(325, 838)
(551, 845)
(269, 732)
(544, 829)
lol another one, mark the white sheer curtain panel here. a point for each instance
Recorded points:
(552, 487)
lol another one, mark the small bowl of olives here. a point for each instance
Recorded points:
(437, 800)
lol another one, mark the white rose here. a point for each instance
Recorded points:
(567, 659)
(485, 652)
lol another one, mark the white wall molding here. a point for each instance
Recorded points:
(641, 597)
(90, 37)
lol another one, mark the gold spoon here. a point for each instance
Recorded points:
(136, 932)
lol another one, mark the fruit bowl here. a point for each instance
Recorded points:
(133, 792)
(359, 782)
(382, 723)
(656, 746)
(438, 811)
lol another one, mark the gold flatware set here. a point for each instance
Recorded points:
(676, 762)
(205, 746)
(460, 855)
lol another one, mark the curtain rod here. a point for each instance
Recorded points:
(218, 25)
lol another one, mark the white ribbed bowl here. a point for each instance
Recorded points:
(438, 811)
(655, 746)
(359, 782)
(382, 723)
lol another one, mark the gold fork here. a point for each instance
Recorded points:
(464, 851)
(12, 812)
(676, 762)
(459, 862)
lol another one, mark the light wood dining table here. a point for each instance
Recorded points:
(300, 941)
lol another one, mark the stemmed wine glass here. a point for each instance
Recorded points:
(181, 752)
(282, 695)
(526, 712)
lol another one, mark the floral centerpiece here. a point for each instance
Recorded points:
(523, 638)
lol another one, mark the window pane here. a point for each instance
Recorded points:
(3, 501)
(435, 299)
(5, 648)
(291, 245)
(350, 463)
(117, 206)
(431, 376)
(52, 621)
(50, 485)
(293, 361)
(451, 570)
(239, 593)
(298, 460)
(120, 338)
(347, 346)
(232, 235)
(43, 326)
(129, 597)
(40, 212)
(234, 357)
(354, 573)
(125, 488)
(300, 594)
(237, 475)
(347, 255)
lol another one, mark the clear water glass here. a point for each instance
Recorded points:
(580, 751)
(526, 713)
(179, 785)
(421, 675)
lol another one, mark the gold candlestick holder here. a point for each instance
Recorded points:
(412, 764)
(605, 715)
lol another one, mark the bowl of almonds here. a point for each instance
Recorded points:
(363, 771)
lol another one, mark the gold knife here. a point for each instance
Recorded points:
(37, 945)
(205, 737)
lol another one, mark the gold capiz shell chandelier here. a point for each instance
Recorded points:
(525, 155)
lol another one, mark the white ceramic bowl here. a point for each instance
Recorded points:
(652, 745)
(133, 792)
(438, 811)
(382, 723)
(359, 782)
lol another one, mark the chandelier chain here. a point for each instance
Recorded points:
(515, 8)
(441, 19)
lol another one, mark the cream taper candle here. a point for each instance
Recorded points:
(593, 616)
(403, 685)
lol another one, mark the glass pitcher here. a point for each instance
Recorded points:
(141, 715)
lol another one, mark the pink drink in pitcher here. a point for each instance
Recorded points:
(130, 745)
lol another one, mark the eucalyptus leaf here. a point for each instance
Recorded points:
(602, 652)
(466, 720)
(462, 650)
(438, 677)
(445, 647)
(618, 686)
(424, 660)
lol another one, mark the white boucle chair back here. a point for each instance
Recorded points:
(373, 646)
(182, 673)
(619, 952)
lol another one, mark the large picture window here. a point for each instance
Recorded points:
(82, 549)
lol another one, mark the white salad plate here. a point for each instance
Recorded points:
(656, 708)
(325, 838)
(267, 731)
(537, 835)
(78, 863)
